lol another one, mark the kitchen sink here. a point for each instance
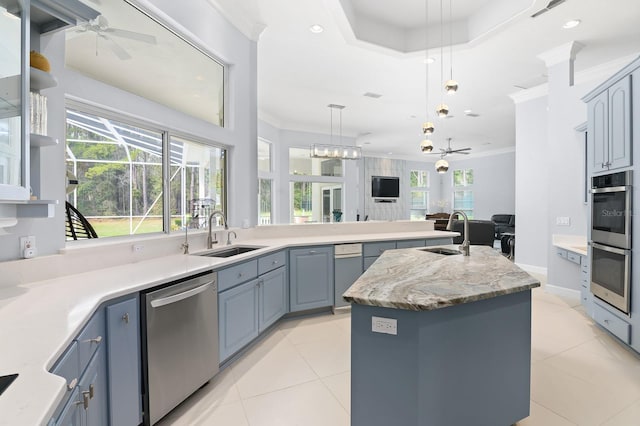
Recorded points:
(229, 252)
(441, 250)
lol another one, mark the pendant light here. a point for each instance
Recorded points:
(451, 86)
(442, 166)
(428, 128)
(442, 110)
(331, 150)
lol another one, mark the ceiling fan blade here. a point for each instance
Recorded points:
(461, 150)
(117, 49)
(146, 38)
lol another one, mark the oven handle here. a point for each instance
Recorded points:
(610, 249)
(180, 296)
(610, 189)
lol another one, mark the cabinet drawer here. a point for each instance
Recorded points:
(612, 323)
(409, 243)
(584, 264)
(90, 338)
(438, 241)
(562, 253)
(69, 367)
(237, 274)
(584, 295)
(368, 261)
(271, 262)
(573, 257)
(376, 249)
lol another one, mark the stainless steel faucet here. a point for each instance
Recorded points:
(229, 236)
(464, 248)
(210, 241)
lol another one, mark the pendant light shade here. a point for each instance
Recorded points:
(443, 110)
(451, 87)
(426, 146)
(428, 128)
(442, 166)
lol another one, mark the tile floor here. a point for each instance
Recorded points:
(299, 375)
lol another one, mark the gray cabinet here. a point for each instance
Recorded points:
(273, 297)
(372, 251)
(586, 298)
(102, 369)
(347, 271)
(247, 309)
(237, 317)
(123, 359)
(409, 243)
(311, 278)
(609, 127)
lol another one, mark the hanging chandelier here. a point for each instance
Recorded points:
(332, 150)
(442, 166)
(451, 86)
(428, 128)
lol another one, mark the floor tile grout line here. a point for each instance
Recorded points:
(624, 409)
(554, 412)
(279, 389)
(336, 397)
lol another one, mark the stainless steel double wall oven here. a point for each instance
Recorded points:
(611, 220)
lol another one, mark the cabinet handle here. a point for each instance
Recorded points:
(72, 384)
(91, 391)
(240, 275)
(125, 318)
(381, 250)
(312, 252)
(606, 321)
(97, 340)
(85, 400)
(275, 262)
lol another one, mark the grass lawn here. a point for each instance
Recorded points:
(118, 227)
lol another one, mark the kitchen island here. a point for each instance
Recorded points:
(453, 340)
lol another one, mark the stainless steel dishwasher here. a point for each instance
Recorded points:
(180, 342)
(348, 267)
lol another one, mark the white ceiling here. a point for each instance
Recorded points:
(300, 73)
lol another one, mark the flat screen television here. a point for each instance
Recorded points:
(385, 187)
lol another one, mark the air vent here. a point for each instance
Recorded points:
(551, 5)
(372, 95)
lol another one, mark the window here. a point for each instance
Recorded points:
(300, 163)
(316, 188)
(462, 191)
(265, 183)
(419, 182)
(120, 167)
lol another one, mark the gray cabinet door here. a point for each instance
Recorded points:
(347, 271)
(598, 132)
(123, 356)
(273, 297)
(311, 278)
(93, 386)
(620, 124)
(72, 413)
(368, 261)
(409, 243)
(237, 317)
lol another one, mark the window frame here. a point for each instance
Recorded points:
(270, 176)
(422, 189)
(167, 133)
(464, 187)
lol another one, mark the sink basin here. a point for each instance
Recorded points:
(441, 250)
(228, 252)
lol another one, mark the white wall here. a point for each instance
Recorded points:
(493, 183)
(210, 29)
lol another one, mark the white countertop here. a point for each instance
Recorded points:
(573, 243)
(39, 319)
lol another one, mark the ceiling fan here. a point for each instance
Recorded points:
(101, 27)
(448, 151)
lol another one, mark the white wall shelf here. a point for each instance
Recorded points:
(40, 141)
(40, 80)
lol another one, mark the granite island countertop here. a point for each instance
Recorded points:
(417, 280)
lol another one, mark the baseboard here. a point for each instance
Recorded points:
(562, 291)
(534, 269)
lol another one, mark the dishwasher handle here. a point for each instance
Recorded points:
(163, 301)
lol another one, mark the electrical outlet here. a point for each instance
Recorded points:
(138, 248)
(384, 325)
(563, 221)
(28, 247)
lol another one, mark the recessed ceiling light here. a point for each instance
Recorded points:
(389, 153)
(571, 24)
(428, 60)
(316, 28)
(367, 143)
(468, 111)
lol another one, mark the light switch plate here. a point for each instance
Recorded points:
(384, 325)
